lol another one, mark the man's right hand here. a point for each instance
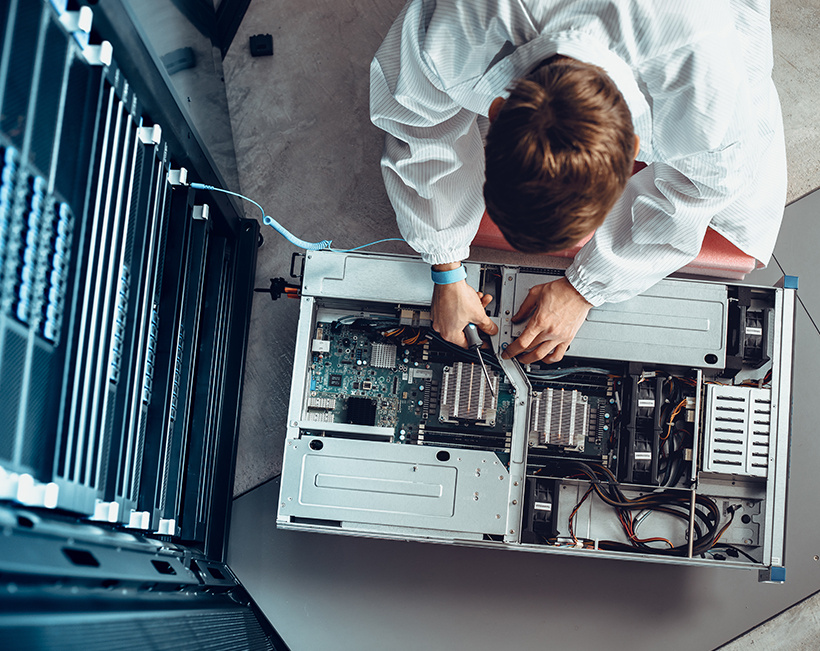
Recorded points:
(457, 304)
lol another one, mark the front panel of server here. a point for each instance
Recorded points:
(117, 297)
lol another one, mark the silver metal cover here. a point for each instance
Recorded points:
(738, 428)
(394, 485)
(674, 322)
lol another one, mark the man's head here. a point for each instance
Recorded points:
(559, 154)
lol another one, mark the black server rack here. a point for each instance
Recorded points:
(124, 312)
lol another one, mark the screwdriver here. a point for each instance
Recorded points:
(474, 343)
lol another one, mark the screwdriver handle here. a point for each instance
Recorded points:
(473, 338)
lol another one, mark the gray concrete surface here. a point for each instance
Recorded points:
(797, 629)
(307, 152)
(795, 26)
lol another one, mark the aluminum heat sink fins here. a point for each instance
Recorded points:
(466, 396)
(559, 417)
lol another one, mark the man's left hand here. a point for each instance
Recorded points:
(556, 312)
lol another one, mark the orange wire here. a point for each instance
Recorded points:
(672, 419)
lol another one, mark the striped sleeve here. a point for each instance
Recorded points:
(433, 158)
(658, 224)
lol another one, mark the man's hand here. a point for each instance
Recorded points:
(556, 311)
(457, 304)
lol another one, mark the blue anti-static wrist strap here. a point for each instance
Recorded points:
(448, 277)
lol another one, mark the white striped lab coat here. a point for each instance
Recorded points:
(696, 75)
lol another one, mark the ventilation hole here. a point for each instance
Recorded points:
(23, 521)
(163, 567)
(443, 455)
(81, 557)
(216, 573)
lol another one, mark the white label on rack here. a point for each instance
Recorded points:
(646, 403)
(643, 456)
(754, 332)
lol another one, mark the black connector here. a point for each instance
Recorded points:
(261, 45)
(279, 286)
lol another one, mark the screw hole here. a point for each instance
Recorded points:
(711, 358)
(81, 557)
(443, 455)
(163, 567)
(316, 444)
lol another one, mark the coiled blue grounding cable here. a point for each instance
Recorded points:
(284, 232)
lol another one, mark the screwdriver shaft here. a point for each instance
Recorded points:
(474, 343)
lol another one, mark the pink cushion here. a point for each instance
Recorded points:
(717, 257)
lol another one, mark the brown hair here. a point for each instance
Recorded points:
(559, 154)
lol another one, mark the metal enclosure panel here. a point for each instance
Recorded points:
(398, 485)
(738, 430)
(776, 489)
(395, 279)
(385, 490)
(674, 322)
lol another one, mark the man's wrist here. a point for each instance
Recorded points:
(447, 273)
(578, 295)
(446, 266)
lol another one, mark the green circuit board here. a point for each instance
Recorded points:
(397, 378)
(401, 385)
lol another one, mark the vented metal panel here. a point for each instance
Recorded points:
(739, 425)
(194, 630)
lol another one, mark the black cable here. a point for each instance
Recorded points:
(611, 494)
(736, 549)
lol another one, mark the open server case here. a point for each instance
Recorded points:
(662, 436)
(124, 313)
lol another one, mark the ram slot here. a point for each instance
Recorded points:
(208, 385)
(73, 464)
(161, 445)
(192, 290)
(140, 252)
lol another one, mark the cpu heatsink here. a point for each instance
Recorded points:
(466, 396)
(559, 417)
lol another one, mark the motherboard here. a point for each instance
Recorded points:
(406, 385)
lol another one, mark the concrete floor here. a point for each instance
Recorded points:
(307, 152)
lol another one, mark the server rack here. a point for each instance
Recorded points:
(124, 313)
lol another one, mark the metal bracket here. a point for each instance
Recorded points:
(178, 177)
(150, 135)
(99, 55)
(202, 213)
(293, 259)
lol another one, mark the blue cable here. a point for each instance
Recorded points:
(284, 232)
(270, 221)
(364, 246)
